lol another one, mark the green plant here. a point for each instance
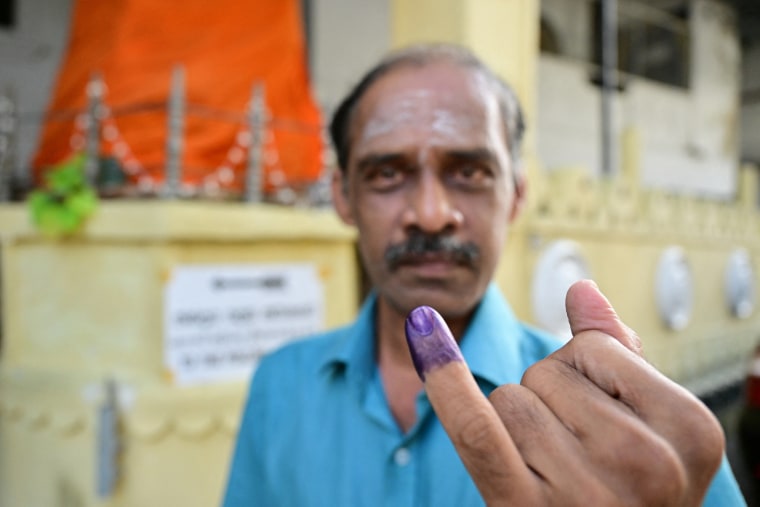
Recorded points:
(66, 201)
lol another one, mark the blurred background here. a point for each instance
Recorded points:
(165, 214)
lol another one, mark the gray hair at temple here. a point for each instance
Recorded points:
(419, 56)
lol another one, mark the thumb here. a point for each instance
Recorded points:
(588, 309)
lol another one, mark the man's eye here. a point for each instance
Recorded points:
(385, 177)
(387, 172)
(472, 175)
(470, 171)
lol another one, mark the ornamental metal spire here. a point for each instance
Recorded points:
(174, 138)
(95, 93)
(257, 123)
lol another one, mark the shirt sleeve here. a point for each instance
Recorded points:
(724, 490)
(246, 482)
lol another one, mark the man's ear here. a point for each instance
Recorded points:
(339, 187)
(520, 193)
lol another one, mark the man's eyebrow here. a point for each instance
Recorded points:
(376, 159)
(474, 155)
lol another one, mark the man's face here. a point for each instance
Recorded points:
(429, 186)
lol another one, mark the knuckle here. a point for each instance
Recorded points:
(635, 341)
(597, 493)
(669, 480)
(505, 396)
(517, 409)
(551, 378)
(591, 346)
(705, 452)
(475, 434)
(661, 474)
(535, 374)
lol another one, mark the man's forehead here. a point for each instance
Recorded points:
(444, 82)
(442, 96)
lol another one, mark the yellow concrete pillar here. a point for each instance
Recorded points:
(631, 156)
(749, 187)
(427, 20)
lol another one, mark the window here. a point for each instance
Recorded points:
(549, 42)
(7, 13)
(653, 37)
(307, 15)
(653, 42)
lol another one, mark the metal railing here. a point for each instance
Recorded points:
(252, 149)
(8, 121)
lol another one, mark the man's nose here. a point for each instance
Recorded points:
(430, 207)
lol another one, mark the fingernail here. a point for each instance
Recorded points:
(430, 341)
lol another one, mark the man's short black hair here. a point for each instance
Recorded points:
(419, 56)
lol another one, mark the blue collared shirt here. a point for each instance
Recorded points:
(318, 431)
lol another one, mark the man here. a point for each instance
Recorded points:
(429, 148)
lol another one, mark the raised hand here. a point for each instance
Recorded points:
(592, 424)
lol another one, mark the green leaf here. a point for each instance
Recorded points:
(37, 203)
(49, 221)
(67, 177)
(67, 201)
(83, 203)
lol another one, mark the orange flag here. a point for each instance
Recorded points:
(225, 47)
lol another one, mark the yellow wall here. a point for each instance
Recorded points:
(621, 232)
(81, 311)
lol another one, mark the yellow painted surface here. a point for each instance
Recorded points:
(621, 233)
(47, 444)
(176, 442)
(505, 35)
(86, 309)
(427, 21)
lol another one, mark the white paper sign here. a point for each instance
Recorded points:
(220, 320)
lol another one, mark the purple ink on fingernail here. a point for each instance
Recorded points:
(430, 341)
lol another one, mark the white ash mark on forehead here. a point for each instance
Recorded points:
(394, 114)
(447, 123)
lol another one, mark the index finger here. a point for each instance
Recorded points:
(474, 427)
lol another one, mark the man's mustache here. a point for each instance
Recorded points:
(420, 244)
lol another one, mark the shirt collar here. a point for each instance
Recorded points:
(490, 344)
(354, 349)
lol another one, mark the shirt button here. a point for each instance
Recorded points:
(402, 456)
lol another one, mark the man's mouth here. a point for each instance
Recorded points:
(429, 266)
(426, 258)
